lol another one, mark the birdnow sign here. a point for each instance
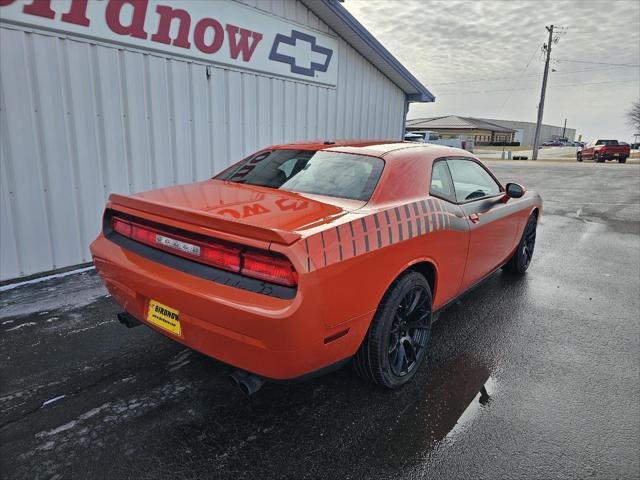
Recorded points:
(213, 32)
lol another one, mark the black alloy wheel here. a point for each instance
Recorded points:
(529, 240)
(396, 343)
(521, 259)
(410, 331)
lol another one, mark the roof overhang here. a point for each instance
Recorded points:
(344, 24)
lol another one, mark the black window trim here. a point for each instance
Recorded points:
(231, 171)
(441, 197)
(486, 197)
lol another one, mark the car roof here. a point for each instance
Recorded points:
(324, 144)
(376, 148)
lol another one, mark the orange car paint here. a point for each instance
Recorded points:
(346, 253)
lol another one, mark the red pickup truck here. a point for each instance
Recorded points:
(602, 150)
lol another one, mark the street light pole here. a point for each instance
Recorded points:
(536, 138)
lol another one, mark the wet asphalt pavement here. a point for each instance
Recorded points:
(81, 396)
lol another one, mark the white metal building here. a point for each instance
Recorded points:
(129, 95)
(526, 131)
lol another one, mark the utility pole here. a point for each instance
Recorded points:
(564, 129)
(536, 138)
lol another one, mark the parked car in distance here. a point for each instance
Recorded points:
(552, 143)
(303, 257)
(602, 150)
(414, 137)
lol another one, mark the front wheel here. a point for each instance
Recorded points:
(579, 157)
(396, 343)
(521, 259)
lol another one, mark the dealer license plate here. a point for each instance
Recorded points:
(164, 317)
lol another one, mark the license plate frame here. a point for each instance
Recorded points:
(164, 317)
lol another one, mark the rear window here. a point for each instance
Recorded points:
(343, 175)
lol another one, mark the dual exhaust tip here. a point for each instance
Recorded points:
(128, 320)
(248, 383)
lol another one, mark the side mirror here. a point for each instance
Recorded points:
(514, 190)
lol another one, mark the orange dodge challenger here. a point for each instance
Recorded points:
(302, 257)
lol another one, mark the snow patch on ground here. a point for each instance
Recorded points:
(79, 290)
(69, 425)
(57, 430)
(94, 424)
(11, 286)
(52, 400)
(18, 327)
(180, 360)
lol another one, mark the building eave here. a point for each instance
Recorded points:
(353, 32)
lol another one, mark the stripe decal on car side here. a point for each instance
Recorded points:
(408, 221)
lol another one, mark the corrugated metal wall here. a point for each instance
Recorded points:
(79, 121)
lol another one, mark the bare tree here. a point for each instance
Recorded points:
(633, 116)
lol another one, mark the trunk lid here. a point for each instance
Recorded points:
(255, 212)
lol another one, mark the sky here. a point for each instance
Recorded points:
(483, 58)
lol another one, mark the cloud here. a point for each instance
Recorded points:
(472, 55)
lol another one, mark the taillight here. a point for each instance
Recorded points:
(219, 256)
(268, 268)
(120, 226)
(256, 265)
(211, 253)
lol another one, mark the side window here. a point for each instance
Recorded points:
(441, 185)
(471, 181)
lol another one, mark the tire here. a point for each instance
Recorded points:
(521, 259)
(392, 352)
(578, 157)
(622, 160)
(597, 158)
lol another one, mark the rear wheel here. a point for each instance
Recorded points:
(597, 158)
(396, 343)
(521, 258)
(622, 160)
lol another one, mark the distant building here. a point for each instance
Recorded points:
(483, 130)
(525, 131)
(469, 129)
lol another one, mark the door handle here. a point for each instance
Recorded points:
(474, 217)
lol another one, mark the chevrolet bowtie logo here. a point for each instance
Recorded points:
(301, 53)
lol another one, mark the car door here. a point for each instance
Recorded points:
(588, 150)
(493, 228)
(453, 245)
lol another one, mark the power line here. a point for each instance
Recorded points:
(597, 29)
(496, 79)
(534, 88)
(513, 84)
(598, 63)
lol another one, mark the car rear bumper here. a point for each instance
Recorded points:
(276, 338)
(614, 156)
